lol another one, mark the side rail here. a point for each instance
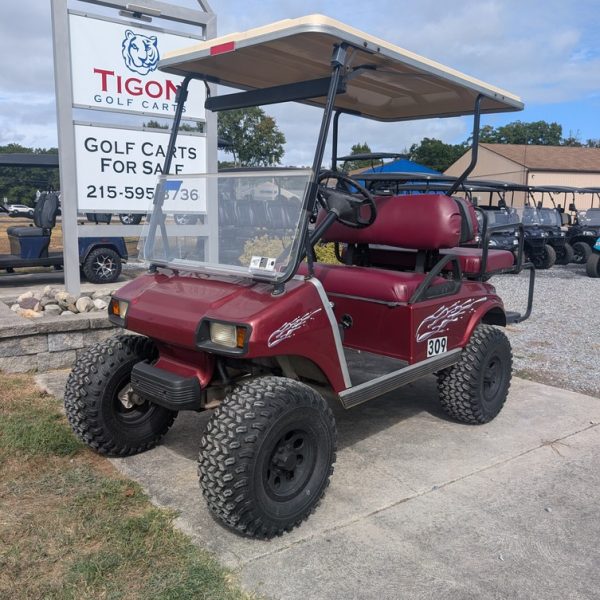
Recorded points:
(487, 231)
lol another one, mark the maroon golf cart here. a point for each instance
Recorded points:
(236, 314)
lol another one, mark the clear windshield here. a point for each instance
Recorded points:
(235, 223)
(529, 215)
(503, 216)
(549, 217)
(589, 217)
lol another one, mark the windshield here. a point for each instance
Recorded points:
(589, 217)
(503, 216)
(234, 223)
(546, 217)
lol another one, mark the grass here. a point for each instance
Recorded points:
(72, 528)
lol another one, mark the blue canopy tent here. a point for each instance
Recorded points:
(402, 165)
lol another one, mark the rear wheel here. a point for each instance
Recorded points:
(266, 456)
(100, 405)
(474, 389)
(544, 259)
(102, 265)
(130, 219)
(582, 252)
(592, 267)
(564, 254)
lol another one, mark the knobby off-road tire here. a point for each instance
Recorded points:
(582, 252)
(474, 389)
(592, 267)
(266, 456)
(93, 408)
(546, 259)
(565, 254)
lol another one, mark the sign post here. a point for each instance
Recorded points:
(108, 64)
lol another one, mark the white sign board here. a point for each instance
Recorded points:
(114, 67)
(117, 169)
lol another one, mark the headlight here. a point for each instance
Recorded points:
(493, 243)
(224, 334)
(588, 233)
(118, 309)
(544, 234)
(562, 234)
(515, 242)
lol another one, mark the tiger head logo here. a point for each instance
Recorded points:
(140, 52)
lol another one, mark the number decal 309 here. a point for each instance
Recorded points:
(437, 346)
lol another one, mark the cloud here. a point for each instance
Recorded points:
(547, 51)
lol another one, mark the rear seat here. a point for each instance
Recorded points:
(411, 224)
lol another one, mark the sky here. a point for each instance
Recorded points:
(547, 52)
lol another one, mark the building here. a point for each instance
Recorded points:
(536, 165)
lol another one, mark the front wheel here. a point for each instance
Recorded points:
(474, 389)
(266, 456)
(102, 265)
(100, 405)
(582, 253)
(545, 259)
(592, 267)
(565, 254)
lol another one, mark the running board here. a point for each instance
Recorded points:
(388, 383)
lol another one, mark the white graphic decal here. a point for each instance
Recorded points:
(289, 328)
(440, 320)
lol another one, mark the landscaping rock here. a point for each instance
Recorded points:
(53, 309)
(29, 314)
(65, 300)
(84, 304)
(48, 301)
(100, 304)
(24, 296)
(15, 307)
(66, 313)
(28, 303)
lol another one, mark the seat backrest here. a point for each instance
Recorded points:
(416, 221)
(45, 211)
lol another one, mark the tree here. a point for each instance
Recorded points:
(254, 136)
(537, 132)
(593, 143)
(19, 184)
(436, 154)
(364, 148)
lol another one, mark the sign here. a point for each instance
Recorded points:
(117, 169)
(114, 67)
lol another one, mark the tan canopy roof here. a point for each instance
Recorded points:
(394, 84)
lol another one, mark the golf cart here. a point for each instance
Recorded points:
(584, 231)
(262, 337)
(100, 258)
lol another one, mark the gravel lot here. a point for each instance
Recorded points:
(560, 343)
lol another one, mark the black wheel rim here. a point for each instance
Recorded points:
(492, 379)
(579, 257)
(104, 266)
(290, 464)
(135, 415)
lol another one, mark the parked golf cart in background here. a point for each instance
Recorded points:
(585, 228)
(263, 338)
(592, 267)
(100, 258)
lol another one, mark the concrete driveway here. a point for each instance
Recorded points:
(419, 506)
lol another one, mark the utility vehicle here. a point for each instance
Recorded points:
(585, 229)
(100, 258)
(262, 337)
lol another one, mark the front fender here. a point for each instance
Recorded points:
(491, 311)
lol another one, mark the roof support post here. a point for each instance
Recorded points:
(334, 140)
(474, 148)
(158, 218)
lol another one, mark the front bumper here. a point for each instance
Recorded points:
(167, 389)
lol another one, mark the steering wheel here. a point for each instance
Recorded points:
(346, 203)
